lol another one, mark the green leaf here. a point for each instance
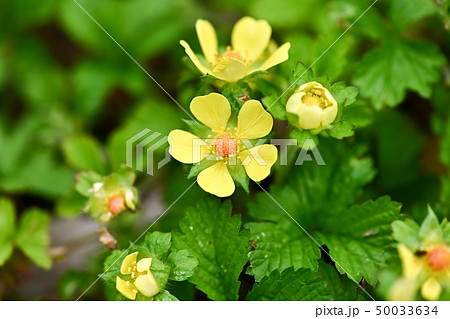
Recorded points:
(33, 238)
(405, 12)
(198, 167)
(341, 129)
(339, 287)
(71, 204)
(182, 265)
(359, 114)
(343, 94)
(158, 244)
(359, 246)
(277, 248)
(304, 137)
(406, 232)
(274, 106)
(387, 72)
(430, 231)
(83, 152)
(290, 285)
(7, 226)
(164, 295)
(315, 199)
(85, 181)
(214, 237)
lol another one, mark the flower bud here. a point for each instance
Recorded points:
(314, 106)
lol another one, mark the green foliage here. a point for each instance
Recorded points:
(387, 72)
(318, 198)
(214, 237)
(290, 285)
(84, 153)
(31, 235)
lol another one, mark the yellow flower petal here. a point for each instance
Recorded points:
(230, 69)
(128, 263)
(310, 117)
(208, 40)
(144, 264)
(147, 285)
(186, 147)
(250, 37)
(279, 56)
(213, 110)
(216, 180)
(253, 121)
(203, 69)
(258, 161)
(402, 290)
(431, 289)
(126, 288)
(411, 265)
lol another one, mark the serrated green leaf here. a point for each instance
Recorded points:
(83, 152)
(33, 238)
(340, 288)
(343, 94)
(278, 249)
(387, 72)
(210, 234)
(158, 244)
(182, 265)
(290, 285)
(359, 246)
(341, 129)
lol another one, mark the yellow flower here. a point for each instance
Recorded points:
(428, 270)
(226, 145)
(142, 278)
(249, 39)
(314, 106)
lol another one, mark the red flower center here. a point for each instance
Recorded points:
(439, 259)
(225, 145)
(116, 204)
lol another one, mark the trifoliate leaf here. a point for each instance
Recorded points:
(7, 221)
(214, 237)
(387, 72)
(33, 238)
(290, 285)
(407, 233)
(83, 152)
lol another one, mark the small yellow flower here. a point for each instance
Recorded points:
(428, 270)
(249, 40)
(226, 145)
(314, 106)
(142, 279)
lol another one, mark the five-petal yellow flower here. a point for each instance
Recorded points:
(226, 145)
(142, 279)
(249, 40)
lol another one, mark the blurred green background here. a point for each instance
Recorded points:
(70, 97)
